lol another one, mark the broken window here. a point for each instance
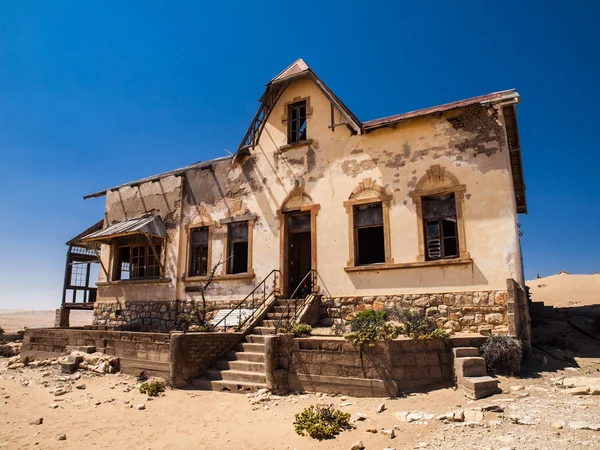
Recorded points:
(369, 235)
(297, 122)
(198, 251)
(439, 221)
(137, 259)
(237, 251)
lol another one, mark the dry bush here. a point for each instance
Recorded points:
(502, 354)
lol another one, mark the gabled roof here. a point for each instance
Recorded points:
(274, 89)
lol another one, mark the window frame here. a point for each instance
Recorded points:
(438, 181)
(225, 222)
(191, 251)
(200, 219)
(137, 242)
(357, 258)
(297, 106)
(368, 192)
(441, 233)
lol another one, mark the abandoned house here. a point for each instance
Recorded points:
(417, 210)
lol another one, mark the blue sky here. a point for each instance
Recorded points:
(94, 94)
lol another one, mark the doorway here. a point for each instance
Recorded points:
(299, 252)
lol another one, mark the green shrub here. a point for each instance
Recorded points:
(301, 329)
(199, 328)
(370, 326)
(321, 422)
(152, 388)
(502, 354)
(417, 326)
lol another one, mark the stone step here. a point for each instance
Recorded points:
(270, 323)
(246, 356)
(229, 386)
(287, 302)
(464, 352)
(255, 339)
(469, 367)
(479, 387)
(264, 330)
(282, 309)
(236, 376)
(279, 315)
(241, 366)
(256, 348)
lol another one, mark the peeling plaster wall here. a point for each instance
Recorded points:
(469, 143)
(162, 198)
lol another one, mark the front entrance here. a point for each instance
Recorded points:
(299, 254)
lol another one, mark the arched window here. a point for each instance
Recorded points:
(439, 203)
(369, 225)
(238, 241)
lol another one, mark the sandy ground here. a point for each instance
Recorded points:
(104, 414)
(563, 290)
(17, 319)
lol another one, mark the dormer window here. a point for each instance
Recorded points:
(297, 122)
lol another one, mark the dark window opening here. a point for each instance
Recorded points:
(198, 251)
(237, 238)
(137, 260)
(369, 234)
(297, 122)
(441, 234)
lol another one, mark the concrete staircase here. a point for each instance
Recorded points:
(243, 369)
(471, 375)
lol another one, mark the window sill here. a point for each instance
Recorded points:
(283, 148)
(221, 277)
(139, 281)
(411, 265)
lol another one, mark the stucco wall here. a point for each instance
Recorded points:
(468, 143)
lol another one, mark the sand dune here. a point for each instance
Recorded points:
(17, 319)
(564, 289)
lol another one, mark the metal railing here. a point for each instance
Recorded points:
(311, 278)
(253, 302)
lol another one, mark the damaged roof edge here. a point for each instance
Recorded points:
(175, 172)
(493, 97)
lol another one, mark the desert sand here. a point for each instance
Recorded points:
(13, 320)
(103, 415)
(563, 290)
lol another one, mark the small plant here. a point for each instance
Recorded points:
(8, 351)
(502, 354)
(199, 328)
(321, 422)
(1, 331)
(301, 329)
(417, 326)
(152, 388)
(370, 326)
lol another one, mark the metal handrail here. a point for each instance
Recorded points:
(274, 292)
(313, 274)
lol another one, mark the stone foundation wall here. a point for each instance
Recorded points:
(149, 315)
(483, 312)
(332, 364)
(137, 352)
(192, 353)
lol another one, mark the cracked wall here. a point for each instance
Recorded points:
(469, 143)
